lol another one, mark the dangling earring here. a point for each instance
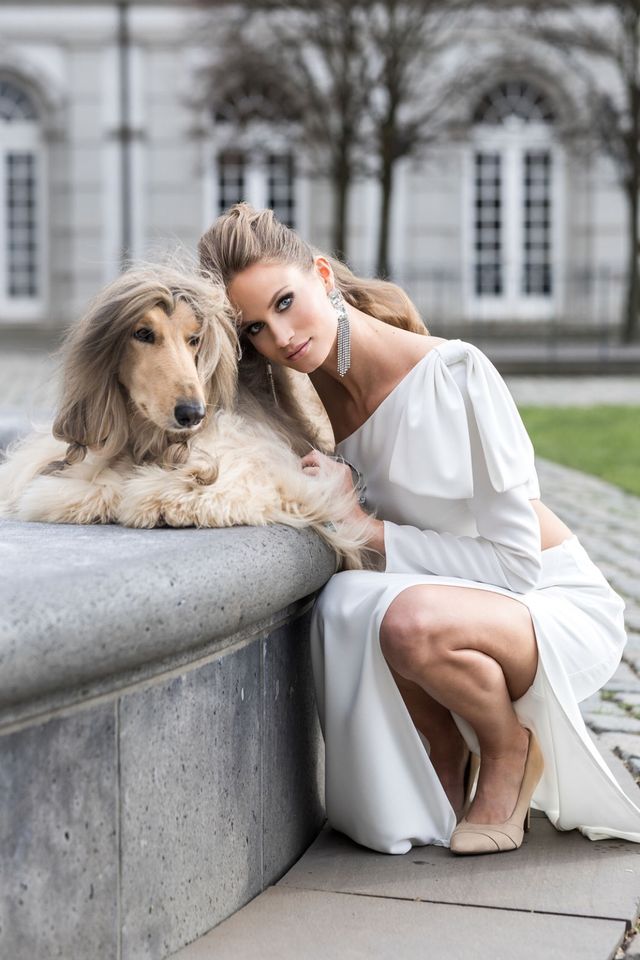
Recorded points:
(239, 350)
(344, 333)
(272, 384)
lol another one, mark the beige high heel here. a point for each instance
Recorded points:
(470, 838)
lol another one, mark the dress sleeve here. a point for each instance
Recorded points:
(477, 449)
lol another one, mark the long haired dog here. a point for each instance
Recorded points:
(151, 431)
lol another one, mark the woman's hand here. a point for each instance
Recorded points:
(317, 463)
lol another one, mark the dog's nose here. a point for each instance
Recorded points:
(189, 413)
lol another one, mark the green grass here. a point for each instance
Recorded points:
(602, 440)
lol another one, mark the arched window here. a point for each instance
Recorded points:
(514, 191)
(513, 99)
(21, 164)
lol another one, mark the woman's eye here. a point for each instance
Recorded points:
(144, 334)
(250, 328)
(285, 302)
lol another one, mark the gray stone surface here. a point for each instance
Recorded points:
(553, 872)
(152, 815)
(58, 839)
(103, 600)
(606, 723)
(287, 924)
(293, 800)
(632, 949)
(574, 391)
(192, 777)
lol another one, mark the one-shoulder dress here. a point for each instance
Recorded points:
(449, 468)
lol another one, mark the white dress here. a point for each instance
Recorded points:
(449, 468)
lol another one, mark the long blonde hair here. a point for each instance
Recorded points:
(244, 236)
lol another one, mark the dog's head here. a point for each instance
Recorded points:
(148, 364)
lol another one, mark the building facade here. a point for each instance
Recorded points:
(106, 153)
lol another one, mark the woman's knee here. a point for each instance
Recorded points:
(410, 635)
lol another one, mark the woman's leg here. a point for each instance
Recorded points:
(448, 751)
(472, 651)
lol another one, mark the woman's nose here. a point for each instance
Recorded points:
(282, 335)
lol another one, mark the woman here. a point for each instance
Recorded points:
(486, 622)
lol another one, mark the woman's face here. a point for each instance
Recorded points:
(286, 313)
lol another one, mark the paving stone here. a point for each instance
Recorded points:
(632, 949)
(626, 744)
(607, 708)
(287, 924)
(628, 699)
(623, 679)
(554, 871)
(603, 723)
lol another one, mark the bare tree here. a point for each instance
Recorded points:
(299, 66)
(411, 108)
(348, 80)
(601, 41)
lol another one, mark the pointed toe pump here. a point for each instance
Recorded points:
(471, 838)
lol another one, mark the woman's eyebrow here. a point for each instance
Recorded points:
(248, 323)
(275, 297)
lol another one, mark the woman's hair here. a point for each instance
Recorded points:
(244, 236)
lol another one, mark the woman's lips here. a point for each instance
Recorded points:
(300, 351)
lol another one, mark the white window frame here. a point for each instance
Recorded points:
(256, 184)
(20, 136)
(512, 140)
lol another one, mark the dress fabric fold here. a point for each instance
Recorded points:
(450, 469)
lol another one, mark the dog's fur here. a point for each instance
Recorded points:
(156, 338)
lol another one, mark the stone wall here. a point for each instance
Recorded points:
(161, 760)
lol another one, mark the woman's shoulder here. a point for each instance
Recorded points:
(449, 352)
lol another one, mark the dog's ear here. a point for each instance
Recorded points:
(92, 415)
(218, 366)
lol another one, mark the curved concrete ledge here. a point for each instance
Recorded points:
(161, 760)
(88, 609)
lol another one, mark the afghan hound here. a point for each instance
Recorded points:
(152, 428)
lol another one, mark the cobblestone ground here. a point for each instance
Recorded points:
(606, 519)
(607, 522)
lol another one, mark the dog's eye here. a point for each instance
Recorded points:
(144, 334)
(194, 341)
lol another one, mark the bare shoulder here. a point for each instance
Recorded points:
(427, 344)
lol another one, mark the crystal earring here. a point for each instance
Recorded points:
(272, 384)
(344, 333)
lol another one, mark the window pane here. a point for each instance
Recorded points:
(231, 179)
(488, 271)
(15, 104)
(22, 248)
(537, 277)
(280, 187)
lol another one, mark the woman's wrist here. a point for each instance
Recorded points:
(359, 485)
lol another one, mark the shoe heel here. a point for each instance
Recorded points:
(527, 822)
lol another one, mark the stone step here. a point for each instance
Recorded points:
(561, 897)
(291, 924)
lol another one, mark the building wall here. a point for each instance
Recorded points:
(67, 58)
